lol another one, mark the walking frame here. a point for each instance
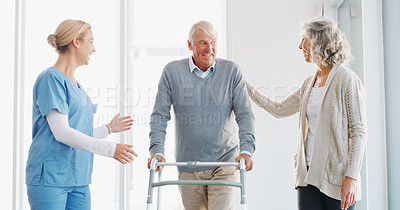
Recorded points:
(156, 163)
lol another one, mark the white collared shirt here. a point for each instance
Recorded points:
(198, 72)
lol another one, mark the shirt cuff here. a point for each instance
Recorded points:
(160, 155)
(100, 132)
(246, 152)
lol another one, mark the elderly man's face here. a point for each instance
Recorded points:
(204, 49)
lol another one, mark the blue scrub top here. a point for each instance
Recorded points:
(54, 162)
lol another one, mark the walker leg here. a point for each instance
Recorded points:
(150, 189)
(151, 181)
(159, 198)
(244, 207)
(243, 182)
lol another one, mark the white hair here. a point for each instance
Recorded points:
(204, 26)
(328, 44)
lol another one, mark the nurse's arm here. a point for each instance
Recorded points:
(117, 124)
(63, 133)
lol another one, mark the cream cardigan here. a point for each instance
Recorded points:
(341, 130)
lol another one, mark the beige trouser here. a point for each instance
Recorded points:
(208, 197)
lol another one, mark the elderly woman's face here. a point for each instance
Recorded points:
(305, 46)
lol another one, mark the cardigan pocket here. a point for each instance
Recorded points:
(337, 156)
(334, 172)
(335, 166)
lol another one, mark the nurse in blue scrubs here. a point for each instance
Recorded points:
(60, 161)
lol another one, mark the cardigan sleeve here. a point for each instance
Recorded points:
(357, 120)
(285, 108)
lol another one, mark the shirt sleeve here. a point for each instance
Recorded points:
(246, 152)
(51, 93)
(100, 132)
(63, 133)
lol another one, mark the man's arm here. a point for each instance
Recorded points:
(159, 118)
(245, 120)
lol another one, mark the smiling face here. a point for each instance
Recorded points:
(204, 49)
(86, 47)
(305, 46)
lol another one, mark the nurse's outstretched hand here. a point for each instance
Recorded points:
(119, 124)
(123, 153)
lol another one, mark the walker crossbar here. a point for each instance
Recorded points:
(196, 164)
(198, 182)
(155, 163)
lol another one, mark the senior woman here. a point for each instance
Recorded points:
(60, 161)
(332, 127)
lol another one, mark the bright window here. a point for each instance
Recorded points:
(7, 94)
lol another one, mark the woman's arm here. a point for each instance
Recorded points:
(286, 108)
(357, 120)
(63, 133)
(101, 132)
(117, 124)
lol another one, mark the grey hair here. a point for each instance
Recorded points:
(204, 26)
(328, 45)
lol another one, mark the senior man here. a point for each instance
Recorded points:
(210, 101)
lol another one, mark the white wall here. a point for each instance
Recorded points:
(265, 45)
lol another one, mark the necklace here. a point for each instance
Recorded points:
(320, 81)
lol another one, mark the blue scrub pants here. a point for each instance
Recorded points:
(58, 198)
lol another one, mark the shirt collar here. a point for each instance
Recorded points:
(193, 66)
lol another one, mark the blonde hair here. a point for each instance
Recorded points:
(67, 31)
(204, 26)
(328, 45)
